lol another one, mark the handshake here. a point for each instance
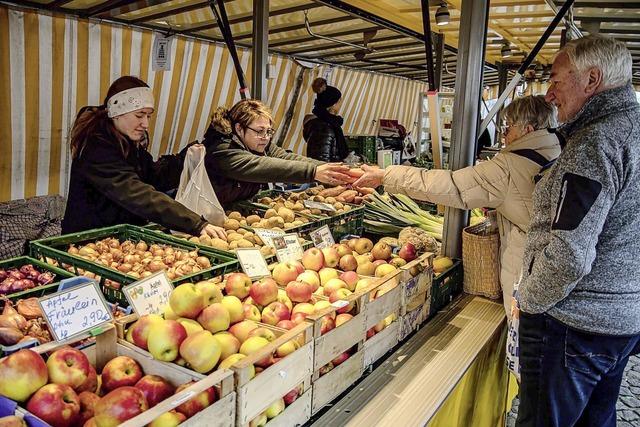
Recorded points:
(341, 174)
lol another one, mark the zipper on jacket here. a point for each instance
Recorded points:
(562, 198)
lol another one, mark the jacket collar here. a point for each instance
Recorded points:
(536, 140)
(607, 102)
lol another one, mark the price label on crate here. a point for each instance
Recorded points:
(318, 205)
(149, 295)
(288, 247)
(75, 310)
(252, 263)
(322, 237)
(267, 235)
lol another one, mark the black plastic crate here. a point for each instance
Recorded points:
(54, 249)
(446, 286)
(38, 291)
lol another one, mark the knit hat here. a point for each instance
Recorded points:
(326, 95)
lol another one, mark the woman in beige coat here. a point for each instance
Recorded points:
(505, 182)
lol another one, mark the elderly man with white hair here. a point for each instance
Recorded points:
(580, 290)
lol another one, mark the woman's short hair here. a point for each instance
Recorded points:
(243, 113)
(531, 110)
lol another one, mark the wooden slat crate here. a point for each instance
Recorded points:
(331, 385)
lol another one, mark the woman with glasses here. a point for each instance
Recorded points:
(241, 157)
(504, 183)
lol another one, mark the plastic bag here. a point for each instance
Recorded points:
(195, 190)
(513, 337)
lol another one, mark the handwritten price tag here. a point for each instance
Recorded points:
(252, 263)
(149, 295)
(267, 235)
(318, 205)
(322, 237)
(288, 248)
(75, 310)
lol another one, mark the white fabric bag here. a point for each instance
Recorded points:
(195, 190)
(513, 337)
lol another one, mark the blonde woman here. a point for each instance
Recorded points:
(504, 183)
(241, 157)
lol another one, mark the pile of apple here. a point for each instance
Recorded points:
(66, 391)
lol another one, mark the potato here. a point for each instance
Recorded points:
(286, 214)
(265, 251)
(252, 219)
(298, 206)
(231, 224)
(235, 215)
(243, 243)
(241, 231)
(219, 244)
(288, 204)
(270, 213)
(276, 221)
(233, 245)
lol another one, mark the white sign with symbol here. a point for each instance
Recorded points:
(322, 237)
(252, 263)
(161, 58)
(288, 248)
(75, 310)
(267, 235)
(149, 295)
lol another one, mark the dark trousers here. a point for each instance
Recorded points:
(569, 377)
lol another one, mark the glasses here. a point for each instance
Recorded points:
(504, 129)
(264, 133)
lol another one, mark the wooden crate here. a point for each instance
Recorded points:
(379, 344)
(298, 413)
(338, 340)
(107, 346)
(380, 307)
(412, 320)
(416, 279)
(329, 386)
(257, 394)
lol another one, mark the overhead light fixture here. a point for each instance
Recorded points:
(442, 15)
(506, 50)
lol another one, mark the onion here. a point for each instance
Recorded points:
(3, 275)
(72, 250)
(46, 278)
(156, 266)
(142, 246)
(169, 259)
(29, 308)
(114, 243)
(86, 251)
(203, 262)
(146, 273)
(10, 336)
(16, 274)
(125, 268)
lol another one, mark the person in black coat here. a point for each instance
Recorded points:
(114, 180)
(322, 130)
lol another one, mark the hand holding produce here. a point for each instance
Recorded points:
(333, 173)
(372, 177)
(213, 231)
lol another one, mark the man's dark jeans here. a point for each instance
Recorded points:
(569, 377)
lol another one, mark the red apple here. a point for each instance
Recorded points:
(198, 403)
(215, 318)
(342, 295)
(348, 263)
(121, 371)
(251, 312)
(140, 329)
(331, 257)
(119, 406)
(326, 369)
(91, 422)
(381, 251)
(56, 404)
(284, 299)
(91, 383)
(299, 291)
(88, 403)
(284, 273)
(341, 358)
(313, 259)
(238, 285)
(326, 324)
(291, 397)
(242, 329)
(343, 318)
(286, 324)
(298, 265)
(264, 291)
(68, 366)
(298, 318)
(275, 312)
(22, 374)
(155, 389)
(379, 262)
(371, 332)
(408, 252)
(351, 279)
(164, 340)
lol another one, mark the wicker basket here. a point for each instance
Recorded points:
(481, 261)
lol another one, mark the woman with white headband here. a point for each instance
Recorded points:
(114, 179)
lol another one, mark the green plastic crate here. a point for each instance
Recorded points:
(446, 286)
(38, 291)
(55, 248)
(343, 224)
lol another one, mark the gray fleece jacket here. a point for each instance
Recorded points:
(582, 256)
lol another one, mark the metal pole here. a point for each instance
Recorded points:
(439, 46)
(260, 56)
(428, 44)
(502, 85)
(469, 70)
(528, 60)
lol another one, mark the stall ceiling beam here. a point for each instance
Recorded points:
(57, 3)
(116, 7)
(305, 39)
(336, 20)
(329, 46)
(378, 48)
(604, 3)
(169, 12)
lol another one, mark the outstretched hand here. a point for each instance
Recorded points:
(214, 231)
(373, 177)
(333, 174)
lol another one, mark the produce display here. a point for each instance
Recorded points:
(280, 218)
(21, 279)
(22, 323)
(338, 197)
(390, 213)
(65, 390)
(139, 260)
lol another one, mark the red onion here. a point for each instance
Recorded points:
(46, 278)
(3, 275)
(16, 274)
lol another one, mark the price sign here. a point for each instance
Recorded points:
(267, 235)
(322, 237)
(253, 263)
(75, 310)
(317, 205)
(149, 295)
(288, 248)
